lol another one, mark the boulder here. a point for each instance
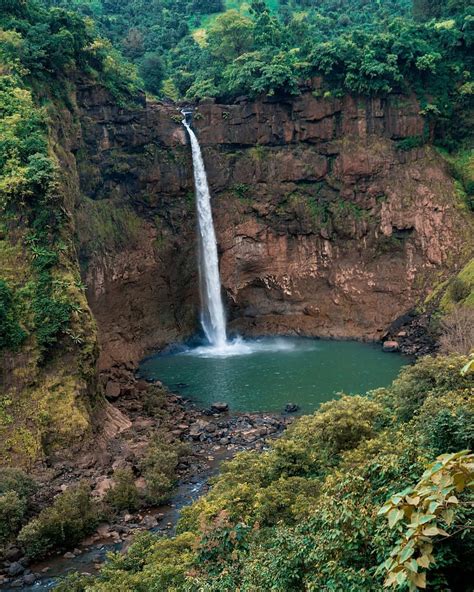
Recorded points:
(219, 407)
(112, 390)
(15, 569)
(291, 408)
(390, 346)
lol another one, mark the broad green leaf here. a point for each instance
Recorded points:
(394, 516)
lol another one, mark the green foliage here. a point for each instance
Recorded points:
(158, 467)
(151, 563)
(12, 512)
(422, 513)
(16, 480)
(459, 289)
(72, 516)
(303, 515)
(11, 334)
(429, 377)
(410, 143)
(124, 493)
(16, 489)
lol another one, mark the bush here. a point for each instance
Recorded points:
(151, 563)
(16, 488)
(12, 511)
(459, 289)
(317, 440)
(72, 516)
(18, 481)
(124, 494)
(447, 422)
(429, 376)
(159, 468)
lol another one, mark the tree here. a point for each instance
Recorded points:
(152, 71)
(230, 36)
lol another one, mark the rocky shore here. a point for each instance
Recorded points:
(125, 427)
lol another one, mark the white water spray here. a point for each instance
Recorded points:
(212, 309)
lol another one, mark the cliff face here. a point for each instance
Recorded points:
(325, 225)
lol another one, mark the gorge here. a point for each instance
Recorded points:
(264, 261)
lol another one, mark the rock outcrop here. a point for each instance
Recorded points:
(326, 225)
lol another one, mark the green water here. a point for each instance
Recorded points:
(266, 374)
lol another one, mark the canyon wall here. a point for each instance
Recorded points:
(330, 220)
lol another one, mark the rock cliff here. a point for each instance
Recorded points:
(328, 223)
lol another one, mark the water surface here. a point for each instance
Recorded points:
(266, 374)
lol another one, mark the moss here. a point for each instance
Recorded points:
(460, 290)
(107, 227)
(257, 152)
(462, 168)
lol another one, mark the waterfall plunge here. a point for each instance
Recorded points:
(212, 309)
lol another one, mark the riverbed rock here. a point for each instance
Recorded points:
(30, 579)
(291, 408)
(219, 407)
(391, 346)
(149, 522)
(69, 555)
(198, 428)
(15, 569)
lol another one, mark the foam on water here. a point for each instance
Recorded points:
(247, 347)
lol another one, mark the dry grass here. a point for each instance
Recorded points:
(458, 331)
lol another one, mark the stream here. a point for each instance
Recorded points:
(93, 556)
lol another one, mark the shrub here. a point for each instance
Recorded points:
(124, 494)
(12, 511)
(72, 516)
(18, 481)
(16, 488)
(159, 468)
(73, 582)
(430, 375)
(423, 512)
(317, 440)
(447, 422)
(151, 563)
(459, 289)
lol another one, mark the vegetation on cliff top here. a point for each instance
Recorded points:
(196, 48)
(311, 512)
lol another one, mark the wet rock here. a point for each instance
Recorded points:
(198, 428)
(69, 555)
(291, 408)
(219, 407)
(390, 346)
(252, 435)
(149, 522)
(15, 569)
(30, 579)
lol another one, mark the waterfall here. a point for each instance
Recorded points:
(212, 309)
